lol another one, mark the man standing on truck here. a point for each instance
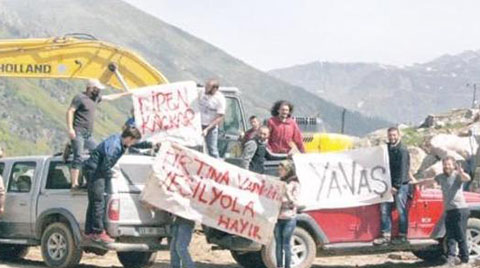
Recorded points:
(285, 135)
(399, 159)
(212, 111)
(80, 119)
(98, 171)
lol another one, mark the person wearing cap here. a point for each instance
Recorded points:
(288, 211)
(80, 119)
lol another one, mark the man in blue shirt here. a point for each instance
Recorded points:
(98, 171)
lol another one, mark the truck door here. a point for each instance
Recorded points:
(16, 221)
(230, 129)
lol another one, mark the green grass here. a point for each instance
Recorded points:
(411, 137)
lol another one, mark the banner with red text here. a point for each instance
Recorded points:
(198, 187)
(344, 179)
(169, 111)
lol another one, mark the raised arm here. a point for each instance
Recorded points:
(112, 97)
(464, 177)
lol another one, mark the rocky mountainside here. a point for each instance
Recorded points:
(397, 94)
(33, 111)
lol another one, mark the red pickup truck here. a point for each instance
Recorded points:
(351, 231)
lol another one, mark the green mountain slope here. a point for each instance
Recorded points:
(33, 111)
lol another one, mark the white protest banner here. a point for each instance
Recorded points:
(169, 111)
(344, 179)
(220, 195)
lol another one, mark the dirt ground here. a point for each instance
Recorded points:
(206, 258)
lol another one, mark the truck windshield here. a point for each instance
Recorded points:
(233, 123)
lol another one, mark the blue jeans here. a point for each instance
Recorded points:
(400, 200)
(82, 141)
(182, 230)
(283, 234)
(212, 142)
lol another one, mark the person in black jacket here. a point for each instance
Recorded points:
(98, 171)
(255, 152)
(399, 159)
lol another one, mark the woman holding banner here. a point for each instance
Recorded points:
(286, 220)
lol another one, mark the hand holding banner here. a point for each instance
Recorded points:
(220, 195)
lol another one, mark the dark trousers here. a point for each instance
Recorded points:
(94, 223)
(456, 225)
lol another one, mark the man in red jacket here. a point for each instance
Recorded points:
(285, 136)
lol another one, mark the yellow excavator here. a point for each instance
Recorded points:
(77, 56)
(81, 56)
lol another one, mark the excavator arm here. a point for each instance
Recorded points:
(75, 58)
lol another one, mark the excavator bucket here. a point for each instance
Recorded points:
(70, 57)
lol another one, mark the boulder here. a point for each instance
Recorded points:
(417, 155)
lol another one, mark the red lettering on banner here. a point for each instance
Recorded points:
(164, 111)
(206, 171)
(249, 208)
(239, 226)
(269, 191)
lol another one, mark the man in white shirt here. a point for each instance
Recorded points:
(212, 110)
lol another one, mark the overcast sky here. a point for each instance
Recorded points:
(271, 34)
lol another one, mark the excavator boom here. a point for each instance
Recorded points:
(70, 57)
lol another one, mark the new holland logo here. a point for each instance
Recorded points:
(26, 68)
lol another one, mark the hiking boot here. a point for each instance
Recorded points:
(402, 240)
(102, 237)
(66, 152)
(381, 241)
(453, 261)
(105, 238)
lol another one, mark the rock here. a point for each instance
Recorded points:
(428, 122)
(443, 145)
(416, 158)
(433, 170)
(427, 162)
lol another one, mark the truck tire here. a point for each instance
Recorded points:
(473, 237)
(13, 252)
(249, 259)
(304, 250)
(137, 259)
(58, 246)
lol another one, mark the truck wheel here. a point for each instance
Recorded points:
(303, 249)
(58, 246)
(13, 252)
(137, 259)
(473, 237)
(249, 259)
